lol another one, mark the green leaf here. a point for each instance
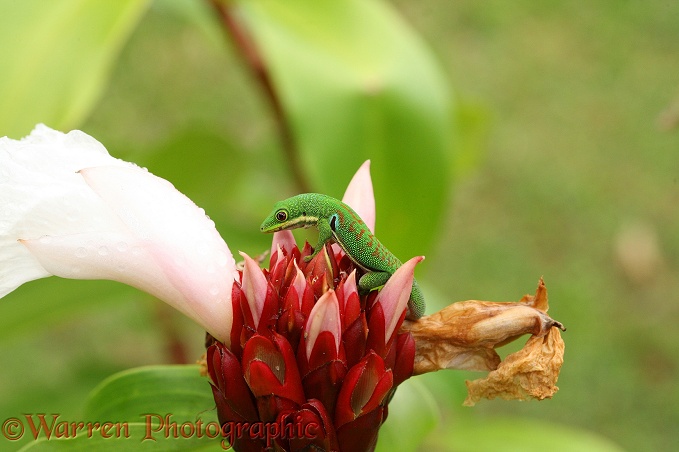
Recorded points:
(128, 396)
(356, 83)
(413, 414)
(56, 57)
(148, 408)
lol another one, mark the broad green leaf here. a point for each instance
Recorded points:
(413, 414)
(56, 57)
(148, 408)
(159, 390)
(356, 83)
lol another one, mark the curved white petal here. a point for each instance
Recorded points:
(181, 240)
(324, 316)
(254, 285)
(299, 283)
(395, 294)
(74, 211)
(350, 287)
(360, 196)
(283, 239)
(42, 193)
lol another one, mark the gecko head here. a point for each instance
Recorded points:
(288, 214)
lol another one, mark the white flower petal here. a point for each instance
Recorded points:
(42, 193)
(81, 213)
(180, 238)
(123, 258)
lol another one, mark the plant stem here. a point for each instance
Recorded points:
(253, 59)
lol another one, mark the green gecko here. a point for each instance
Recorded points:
(338, 222)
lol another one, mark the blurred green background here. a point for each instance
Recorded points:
(564, 164)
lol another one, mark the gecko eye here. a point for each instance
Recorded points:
(281, 215)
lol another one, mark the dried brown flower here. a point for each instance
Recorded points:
(465, 335)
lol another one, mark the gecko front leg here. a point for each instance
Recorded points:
(324, 236)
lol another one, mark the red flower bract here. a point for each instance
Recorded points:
(302, 366)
